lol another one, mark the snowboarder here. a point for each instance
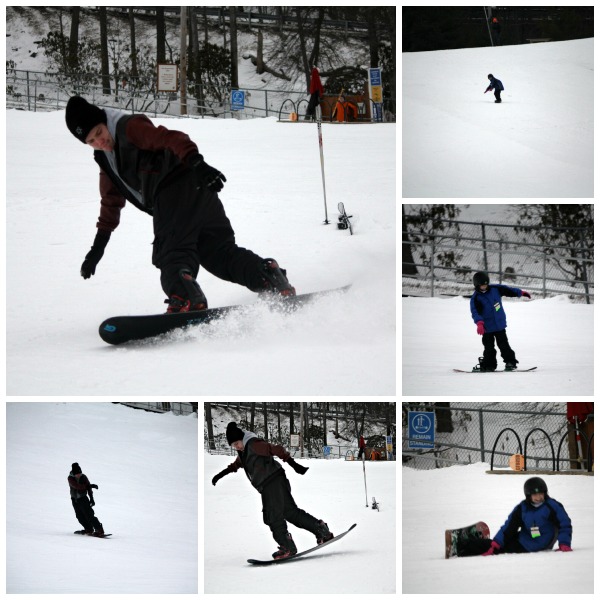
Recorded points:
(161, 172)
(496, 85)
(534, 525)
(255, 456)
(490, 318)
(81, 487)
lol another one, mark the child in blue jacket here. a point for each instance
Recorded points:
(490, 318)
(496, 85)
(535, 524)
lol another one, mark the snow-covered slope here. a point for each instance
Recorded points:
(537, 143)
(440, 499)
(439, 335)
(145, 466)
(363, 562)
(274, 199)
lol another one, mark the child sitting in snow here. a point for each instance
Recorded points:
(490, 318)
(534, 524)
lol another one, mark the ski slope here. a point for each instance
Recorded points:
(363, 562)
(554, 335)
(440, 499)
(145, 466)
(538, 143)
(274, 198)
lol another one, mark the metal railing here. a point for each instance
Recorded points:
(445, 261)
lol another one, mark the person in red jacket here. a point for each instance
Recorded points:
(315, 90)
(361, 447)
(80, 488)
(161, 172)
(256, 457)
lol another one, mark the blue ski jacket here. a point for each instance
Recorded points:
(495, 84)
(551, 519)
(487, 306)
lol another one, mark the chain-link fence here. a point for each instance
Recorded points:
(441, 259)
(465, 433)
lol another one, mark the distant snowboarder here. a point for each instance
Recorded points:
(534, 524)
(496, 85)
(255, 456)
(490, 318)
(80, 487)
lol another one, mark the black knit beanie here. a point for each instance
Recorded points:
(82, 117)
(234, 433)
(75, 468)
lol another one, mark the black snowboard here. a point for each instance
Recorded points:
(282, 560)
(499, 371)
(104, 535)
(118, 330)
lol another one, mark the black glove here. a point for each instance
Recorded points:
(220, 476)
(298, 468)
(206, 176)
(92, 503)
(92, 258)
(93, 485)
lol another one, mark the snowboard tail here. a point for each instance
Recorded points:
(455, 536)
(273, 561)
(118, 330)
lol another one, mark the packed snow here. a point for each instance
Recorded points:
(342, 344)
(145, 466)
(453, 497)
(363, 562)
(538, 143)
(554, 335)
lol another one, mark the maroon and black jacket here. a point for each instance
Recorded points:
(80, 486)
(258, 462)
(148, 157)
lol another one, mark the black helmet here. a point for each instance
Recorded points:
(535, 485)
(481, 278)
(490, 76)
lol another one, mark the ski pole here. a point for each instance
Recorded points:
(365, 476)
(318, 113)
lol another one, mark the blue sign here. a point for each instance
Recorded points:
(237, 99)
(375, 76)
(326, 451)
(421, 426)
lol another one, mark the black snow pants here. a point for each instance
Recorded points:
(191, 230)
(85, 514)
(489, 351)
(279, 507)
(475, 546)
(497, 94)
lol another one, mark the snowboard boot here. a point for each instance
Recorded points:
(323, 534)
(274, 279)
(99, 531)
(193, 297)
(287, 549)
(84, 532)
(483, 367)
(510, 366)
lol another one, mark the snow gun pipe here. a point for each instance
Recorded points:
(318, 111)
(365, 476)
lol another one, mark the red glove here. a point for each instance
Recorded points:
(526, 294)
(564, 548)
(480, 328)
(490, 552)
